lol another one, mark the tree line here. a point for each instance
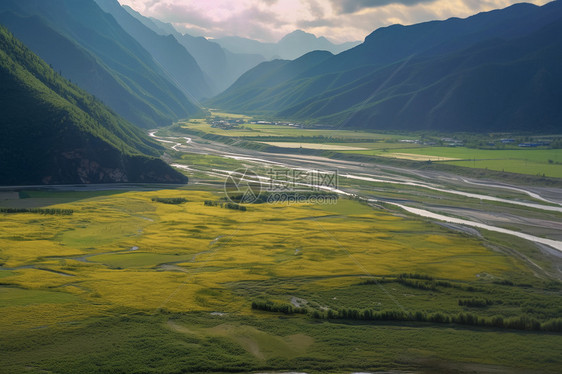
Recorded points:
(50, 211)
(469, 319)
(515, 323)
(269, 306)
(169, 200)
(224, 205)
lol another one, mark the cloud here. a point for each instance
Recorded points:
(338, 20)
(316, 10)
(326, 22)
(252, 21)
(353, 6)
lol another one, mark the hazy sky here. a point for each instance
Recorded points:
(338, 20)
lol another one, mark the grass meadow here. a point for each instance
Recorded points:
(506, 158)
(523, 161)
(129, 284)
(256, 131)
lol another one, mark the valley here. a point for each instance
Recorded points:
(195, 276)
(498, 152)
(210, 187)
(393, 184)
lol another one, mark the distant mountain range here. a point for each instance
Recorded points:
(176, 62)
(290, 47)
(89, 47)
(221, 66)
(80, 56)
(225, 59)
(141, 67)
(52, 132)
(495, 71)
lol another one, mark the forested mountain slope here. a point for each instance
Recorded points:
(495, 71)
(89, 47)
(52, 132)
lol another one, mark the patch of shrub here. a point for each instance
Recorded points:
(232, 206)
(269, 306)
(170, 200)
(51, 212)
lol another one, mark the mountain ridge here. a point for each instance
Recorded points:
(175, 60)
(52, 132)
(125, 74)
(385, 83)
(290, 47)
(221, 66)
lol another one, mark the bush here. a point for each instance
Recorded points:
(419, 284)
(415, 276)
(52, 212)
(269, 306)
(553, 325)
(169, 200)
(468, 319)
(232, 206)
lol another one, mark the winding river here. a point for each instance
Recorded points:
(555, 207)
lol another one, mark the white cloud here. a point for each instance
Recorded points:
(338, 20)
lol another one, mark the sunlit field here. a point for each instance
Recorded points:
(524, 161)
(280, 187)
(124, 270)
(506, 158)
(251, 130)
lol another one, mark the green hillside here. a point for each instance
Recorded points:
(496, 71)
(493, 86)
(111, 64)
(222, 66)
(52, 132)
(266, 87)
(176, 61)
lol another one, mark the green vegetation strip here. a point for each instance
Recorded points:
(52, 212)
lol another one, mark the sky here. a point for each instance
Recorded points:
(337, 20)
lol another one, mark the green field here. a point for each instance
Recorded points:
(207, 162)
(131, 284)
(524, 161)
(249, 130)
(506, 158)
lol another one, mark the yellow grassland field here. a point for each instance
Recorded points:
(125, 250)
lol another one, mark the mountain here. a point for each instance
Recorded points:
(238, 44)
(495, 71)
(89, 47)
(221, 66)
(52, 132)
(174, 59)
(394, 43)
(290, 47)
(298, 43)
(264, 88)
